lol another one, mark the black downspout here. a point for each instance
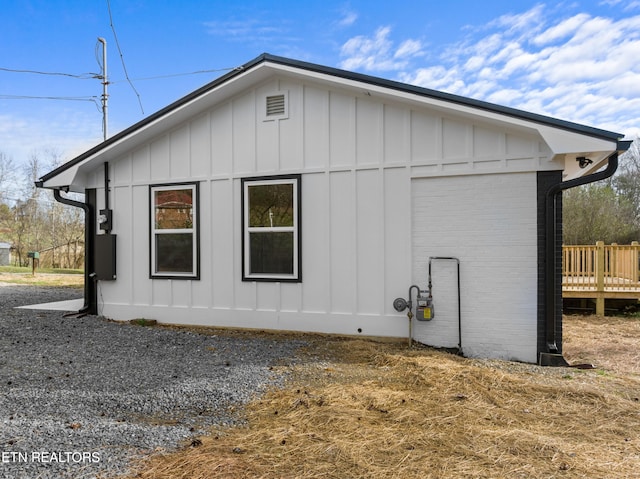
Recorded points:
(550, 246)
(89, 232)
(106, 214)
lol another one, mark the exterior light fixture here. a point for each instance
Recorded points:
(583, 161)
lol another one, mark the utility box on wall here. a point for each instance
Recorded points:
(105, 257)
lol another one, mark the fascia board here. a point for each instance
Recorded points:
(63, 180)
(563, 141)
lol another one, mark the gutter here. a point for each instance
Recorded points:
(88, 248)
(553, 356)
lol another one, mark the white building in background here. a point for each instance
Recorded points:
(5, 254)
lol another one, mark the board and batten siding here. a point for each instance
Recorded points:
(360, 158)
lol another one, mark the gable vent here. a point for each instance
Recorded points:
(276, 105)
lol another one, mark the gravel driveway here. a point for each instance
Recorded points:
(81, 397)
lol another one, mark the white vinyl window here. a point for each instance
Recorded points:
(271, 228)
(174, 231)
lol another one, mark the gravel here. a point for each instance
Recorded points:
(83, 397)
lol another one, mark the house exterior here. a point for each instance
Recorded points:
(291, 196)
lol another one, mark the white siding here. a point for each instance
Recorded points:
(316, 128)
(316, 257)
(342, 242)
(360, 160)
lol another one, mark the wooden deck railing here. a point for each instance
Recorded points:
(601, 271)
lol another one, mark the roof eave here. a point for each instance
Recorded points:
(153, 118)
(448, 97)
(545, 122)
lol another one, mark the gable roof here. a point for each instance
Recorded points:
(307, 69)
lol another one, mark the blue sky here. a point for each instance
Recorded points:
(577, 61)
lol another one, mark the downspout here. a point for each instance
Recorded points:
(550, 247)
(88, 248)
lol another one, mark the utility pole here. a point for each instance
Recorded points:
(105, 82)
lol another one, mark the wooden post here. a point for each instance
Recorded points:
(600, 278)
(634, 261)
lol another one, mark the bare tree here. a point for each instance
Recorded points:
(595, 212)
(627, 181)
(7, 177)
(31, 219)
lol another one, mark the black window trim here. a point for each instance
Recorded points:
(191, 276)
(297, 277)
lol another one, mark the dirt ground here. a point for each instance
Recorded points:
(366, 409)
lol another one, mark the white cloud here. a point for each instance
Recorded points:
(580, 68)
(348, 18)
(378, 52)
(252, 31)
(408, 48)
(66, 131)
(241, 28)
(529, 21)
(437, 78)
(627, 5)
(562, 30)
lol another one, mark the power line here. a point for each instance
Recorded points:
(172, 75)
(65, 98)
(94, 76)
(98, 76)
(83, 76)
(124, 67)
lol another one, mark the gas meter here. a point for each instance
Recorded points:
(424, 306)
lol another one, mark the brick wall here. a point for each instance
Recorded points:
(490, 223)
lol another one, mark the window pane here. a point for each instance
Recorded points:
(174, 253)
(271, 205)
(271, 253)
(173, 209)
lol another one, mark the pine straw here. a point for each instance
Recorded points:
(357, 409)
(611, 341)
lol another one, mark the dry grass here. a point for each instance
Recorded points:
(44, 279)
(612, 342)
(356, 408)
